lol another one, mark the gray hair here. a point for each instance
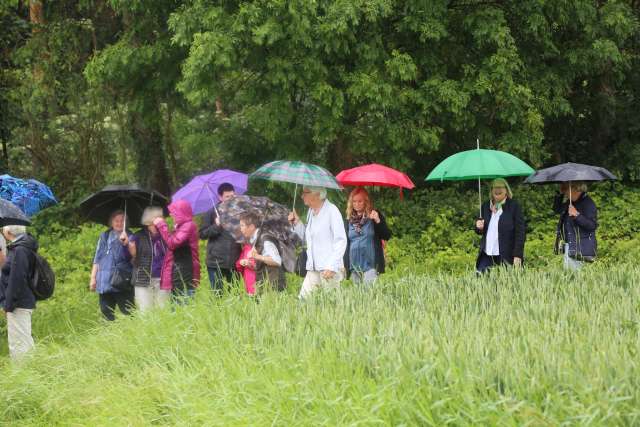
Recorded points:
(15, 230)
(320, 191)
(150, 213)
(580, 186)
(577, 186)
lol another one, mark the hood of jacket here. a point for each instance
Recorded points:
(26, 240)
(181, 211)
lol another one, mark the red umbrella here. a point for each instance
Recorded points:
(374, 174)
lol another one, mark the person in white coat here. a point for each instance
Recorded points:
(326, 241)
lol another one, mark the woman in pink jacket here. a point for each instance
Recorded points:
(181, 266)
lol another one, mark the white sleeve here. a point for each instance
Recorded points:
(299, 229)
(270, 250)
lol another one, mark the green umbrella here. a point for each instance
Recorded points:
(297, 173)
(479, 164)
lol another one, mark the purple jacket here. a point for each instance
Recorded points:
(185, 233)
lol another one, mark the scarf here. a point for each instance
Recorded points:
(358, 221)
(496, 206)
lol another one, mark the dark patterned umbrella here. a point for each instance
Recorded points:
(273, 217)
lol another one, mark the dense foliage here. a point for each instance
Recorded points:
(157, 91)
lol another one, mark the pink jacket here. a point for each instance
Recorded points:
(185, 233)
(248, 273)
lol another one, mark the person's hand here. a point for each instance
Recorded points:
(375, 217)
(92, 284)
(573, 212)
(480, 224)
(124, 238)
(294, 218)
(328, 274)
(254, 254)
(158, 221)
(218, 221)
(517, 262)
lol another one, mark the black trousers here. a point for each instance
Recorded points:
(485, 262)
(109, 301)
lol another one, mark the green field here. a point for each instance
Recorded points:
(540, 347)
(431, 344)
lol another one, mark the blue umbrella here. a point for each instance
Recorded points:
(29, 195)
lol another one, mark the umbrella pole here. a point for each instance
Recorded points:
(479, 187)
(295, 194)
(479, 198)
(213, 201)
(570, 202)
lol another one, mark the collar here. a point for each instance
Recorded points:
(253, 238)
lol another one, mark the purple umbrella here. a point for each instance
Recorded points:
(202, 191)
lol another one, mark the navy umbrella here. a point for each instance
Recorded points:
(569, 172)
(10, 214)
(130, 198)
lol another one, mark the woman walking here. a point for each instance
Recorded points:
(366, 229)
(502, 227)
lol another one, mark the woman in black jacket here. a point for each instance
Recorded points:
(576, 231)
(366, 228)
(502, 227)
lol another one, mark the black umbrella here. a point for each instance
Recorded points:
(10, 214)
(130, 198)
(568, 172)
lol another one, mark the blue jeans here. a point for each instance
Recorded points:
(217, 277)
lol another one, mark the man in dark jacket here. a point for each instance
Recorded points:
(222, 249)
(16, 297)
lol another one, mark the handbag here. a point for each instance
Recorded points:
(121, 280)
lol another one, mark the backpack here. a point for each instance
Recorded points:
(44, 279)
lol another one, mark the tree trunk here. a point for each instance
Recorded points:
(171, 150)
(147, 132)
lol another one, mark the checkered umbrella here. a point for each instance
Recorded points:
(297, 173)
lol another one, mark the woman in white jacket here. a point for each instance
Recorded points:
(326, 241)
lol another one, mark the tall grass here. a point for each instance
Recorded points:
(512, 348)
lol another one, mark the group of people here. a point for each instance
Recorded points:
(157, 264)
(503, 228)
(164, 264)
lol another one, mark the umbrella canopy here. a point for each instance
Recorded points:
(130, 198)
(10, 214)
(29, 195)
(479, 164)
(202, 191)
(273, 217)
(376, 175)
(570, 172)
(297, 173)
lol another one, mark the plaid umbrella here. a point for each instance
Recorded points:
(273, 217)
(297, 173)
